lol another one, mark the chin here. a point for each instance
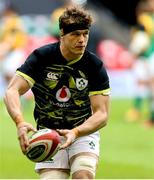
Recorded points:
(80, 52)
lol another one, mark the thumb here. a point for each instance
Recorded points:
(31, 128)
(66, 144)
(62, 132)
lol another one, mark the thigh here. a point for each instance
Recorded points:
(84, 165)
(85, 144)
(45, 174)
(83, 156)
(59, 161)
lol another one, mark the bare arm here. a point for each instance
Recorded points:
(17, 87)
(100, 107)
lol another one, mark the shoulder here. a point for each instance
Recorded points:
(93, 60)
(46, 49)
(42, 54)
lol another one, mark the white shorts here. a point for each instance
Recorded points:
(88, 143)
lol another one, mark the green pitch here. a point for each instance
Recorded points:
(127, 149)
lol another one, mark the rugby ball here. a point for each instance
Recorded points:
(43, 145)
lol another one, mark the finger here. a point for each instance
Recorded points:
(62, 131)
(22, 145)
(21, 132)
(66, 144)
(22, 135)
(31, 128)
(26, 141)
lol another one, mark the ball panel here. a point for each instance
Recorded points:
(54, 149)
(38, 151)
(55, 146)
(43, 145)
(39, 133)
(52, 135)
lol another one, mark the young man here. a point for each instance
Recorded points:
(71, 90)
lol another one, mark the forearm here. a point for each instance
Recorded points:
(97, 121)
(13, 105)
(12, 101)
(92, 124)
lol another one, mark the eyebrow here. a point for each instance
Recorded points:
(80, 31)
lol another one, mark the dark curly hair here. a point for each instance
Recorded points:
(75, 15)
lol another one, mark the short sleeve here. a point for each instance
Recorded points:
(29, 69)
(98, 78)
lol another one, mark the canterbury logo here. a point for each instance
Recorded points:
(52, 76)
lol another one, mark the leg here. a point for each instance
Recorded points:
(56, 168)
(82, 174)
(140, 72)
(53, 174)
(83, 165)
(83, 156)
(150, 122)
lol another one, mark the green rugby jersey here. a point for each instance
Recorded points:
(62, 88)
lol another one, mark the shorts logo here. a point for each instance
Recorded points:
(50, 160)
(81, 83)
(92, 145)
(63, 94)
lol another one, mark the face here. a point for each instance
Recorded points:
(74, 43)
(151, 4)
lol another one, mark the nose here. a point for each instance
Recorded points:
(81, 38)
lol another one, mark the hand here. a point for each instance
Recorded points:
(22, 130)
(69, 135)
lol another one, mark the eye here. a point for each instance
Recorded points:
(76, 33)
(86, 33)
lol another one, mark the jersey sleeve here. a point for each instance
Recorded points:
(98, 79)
(29, 69)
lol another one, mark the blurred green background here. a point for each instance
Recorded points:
(127, 149)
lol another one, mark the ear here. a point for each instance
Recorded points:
(61, 32)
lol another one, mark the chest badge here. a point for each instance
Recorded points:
(63, 94)
(81, 83)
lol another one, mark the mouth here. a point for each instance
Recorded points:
(80, 47)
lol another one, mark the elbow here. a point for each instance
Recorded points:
(6, 96)
(104, 119)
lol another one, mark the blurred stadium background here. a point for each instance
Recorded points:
(127, 148)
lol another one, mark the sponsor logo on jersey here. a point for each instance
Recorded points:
(61, 104)
(81, 83)
(52, 76)
(63, 94)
